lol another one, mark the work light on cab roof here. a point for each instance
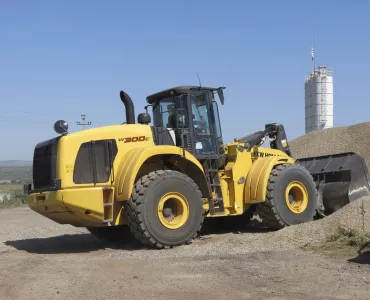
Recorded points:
(61, 127)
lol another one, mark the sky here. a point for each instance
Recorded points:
(61, 59)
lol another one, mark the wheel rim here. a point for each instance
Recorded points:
(296, 197)
(173, 210)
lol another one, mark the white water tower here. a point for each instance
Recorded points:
(319, 99)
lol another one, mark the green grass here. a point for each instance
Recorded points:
(349, 237)
(345, 243)
(23, 173)
(8, 188)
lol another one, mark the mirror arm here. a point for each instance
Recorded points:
(146, 107)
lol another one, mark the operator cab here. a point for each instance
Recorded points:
(190, 114)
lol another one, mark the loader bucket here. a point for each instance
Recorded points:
(340, 179)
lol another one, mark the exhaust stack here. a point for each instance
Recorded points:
(129, 105)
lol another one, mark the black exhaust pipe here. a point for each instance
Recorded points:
(129, 105)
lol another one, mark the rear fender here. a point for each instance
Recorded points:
(257, 179)
(132, 162)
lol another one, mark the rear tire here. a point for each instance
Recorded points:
(291, 197)
(165, 209)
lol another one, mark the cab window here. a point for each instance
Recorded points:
(170, 112)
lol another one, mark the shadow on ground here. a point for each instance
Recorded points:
(235, 224)
(65, 244)
(81, 243)
(363, 258)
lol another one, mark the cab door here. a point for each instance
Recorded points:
(205, 135)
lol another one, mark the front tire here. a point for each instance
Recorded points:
(291, 197)
(165, 209)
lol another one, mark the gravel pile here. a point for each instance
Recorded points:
(354, 216)
(354, 138)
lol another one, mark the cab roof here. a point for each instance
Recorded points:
(173, 92)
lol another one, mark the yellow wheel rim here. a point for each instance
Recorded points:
(173, 210)
(296, 197)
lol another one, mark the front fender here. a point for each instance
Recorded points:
(132, 161)
(257, 179)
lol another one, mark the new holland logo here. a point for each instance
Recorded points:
(134, 139)
(263, 154)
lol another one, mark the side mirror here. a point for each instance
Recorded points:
(146, 107)
(220, 93)
(61, 127)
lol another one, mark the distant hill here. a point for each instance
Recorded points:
(15, 170)
(15, 163)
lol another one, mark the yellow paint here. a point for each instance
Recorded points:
(82, 204)
(69, 145)
(47, 202)
(299, 194)
(243, 182)
(69, 168)
(246, 174)
(79, 207)
(179, 210)
(236, 169)
(257, 179)
(132, 161)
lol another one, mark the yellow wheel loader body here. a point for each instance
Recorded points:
(133, 161)
(102, 203)
(162, 180)
(85, 203)
(244, 179)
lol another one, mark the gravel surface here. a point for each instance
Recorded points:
(354, 138)
(38, 235)
(62, 262)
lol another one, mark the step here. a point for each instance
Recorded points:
(219, 213)
(218, 199)
(211, 207)
(211, 204)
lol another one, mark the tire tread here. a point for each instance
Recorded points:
(267, 210)
(136, 204)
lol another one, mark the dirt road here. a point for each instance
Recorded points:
(40, 259)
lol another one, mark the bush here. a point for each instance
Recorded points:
(16, 198)
(350, 237)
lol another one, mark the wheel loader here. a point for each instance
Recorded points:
(160, 178)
